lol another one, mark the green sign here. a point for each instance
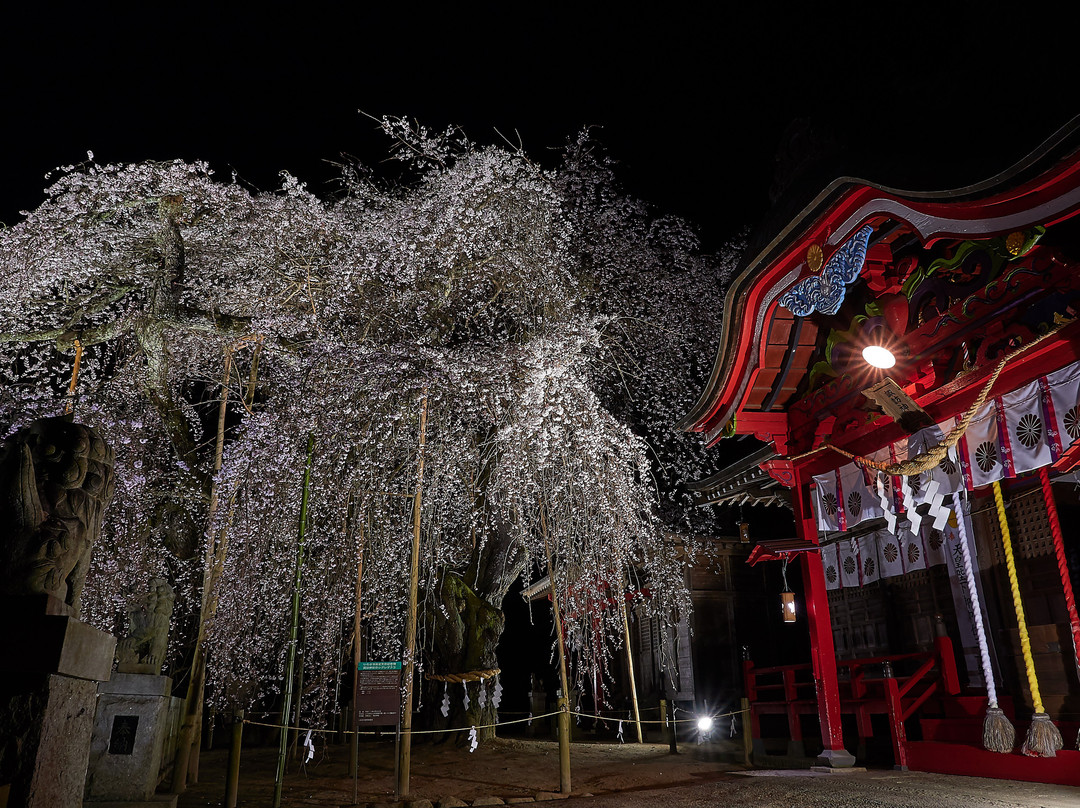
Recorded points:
(378, 666)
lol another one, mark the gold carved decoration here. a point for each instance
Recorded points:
(815, 258)
(1015, 242)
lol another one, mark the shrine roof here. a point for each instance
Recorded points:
(767, 353)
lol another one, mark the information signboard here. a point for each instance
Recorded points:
(378, 694)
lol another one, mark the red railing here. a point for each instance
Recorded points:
(896, 685)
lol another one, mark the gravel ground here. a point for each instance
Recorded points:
(870, 789)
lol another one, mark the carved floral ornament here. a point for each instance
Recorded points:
(825, 292)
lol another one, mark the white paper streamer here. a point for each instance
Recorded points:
(467, 702)
(496, 697)
(445, 709)
(482, 698)
(473, 742)
(529, 722)
(936, 499)
(910, 504)
(619, 736)
(309, 745)
(883, 499)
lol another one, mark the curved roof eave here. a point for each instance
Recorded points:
(709, 414)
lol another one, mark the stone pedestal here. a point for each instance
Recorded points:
(50, 665)
(129, 734)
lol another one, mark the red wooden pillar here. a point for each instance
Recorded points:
(822, 650)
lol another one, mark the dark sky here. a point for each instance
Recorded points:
(693, 102)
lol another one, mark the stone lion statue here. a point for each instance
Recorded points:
(56, 477)
(148, 629)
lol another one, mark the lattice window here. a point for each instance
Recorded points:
(1028, 527)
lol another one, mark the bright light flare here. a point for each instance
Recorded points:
(704, 724)
(878, 356)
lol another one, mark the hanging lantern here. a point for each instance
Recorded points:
(787, 597)
(787, 605)
(744, 532)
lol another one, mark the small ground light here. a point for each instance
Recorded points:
(878, 356)
(704, 724)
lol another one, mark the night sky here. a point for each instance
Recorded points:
(693, 103)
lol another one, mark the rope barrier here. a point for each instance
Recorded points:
(477, 726)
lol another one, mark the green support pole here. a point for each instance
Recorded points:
(287, 708)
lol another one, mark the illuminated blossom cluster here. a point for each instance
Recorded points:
(547, 325)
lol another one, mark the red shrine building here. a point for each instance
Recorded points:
(911, 363)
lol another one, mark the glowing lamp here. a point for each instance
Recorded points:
(787, 606)
(704, 724)
(878, 356)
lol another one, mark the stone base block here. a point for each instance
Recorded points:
(836, 759)
(46, 722)
(129, 734)
(52, 643)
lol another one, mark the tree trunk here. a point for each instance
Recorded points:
(465, 629)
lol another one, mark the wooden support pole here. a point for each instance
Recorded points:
(564, 701)
(186, 762)
(747, 740)
(232, 776)
(630, 670)
(405, 749)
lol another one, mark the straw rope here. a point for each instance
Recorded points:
(934, 455)
(999, 735)
(1018, 606)
(1063, 566)
(458, 678)
(1043, 738)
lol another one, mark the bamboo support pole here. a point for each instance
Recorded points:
(354, 742)
(286, 709)
(232, 775)
(630, 670)
(405, 749)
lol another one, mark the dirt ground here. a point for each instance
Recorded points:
(505, 767)
(605, 775)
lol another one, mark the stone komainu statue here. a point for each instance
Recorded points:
(56, 478)
(148, 628)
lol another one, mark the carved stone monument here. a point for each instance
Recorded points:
(132, 710)
(56, 478)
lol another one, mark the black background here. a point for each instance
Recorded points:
(693, 99)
